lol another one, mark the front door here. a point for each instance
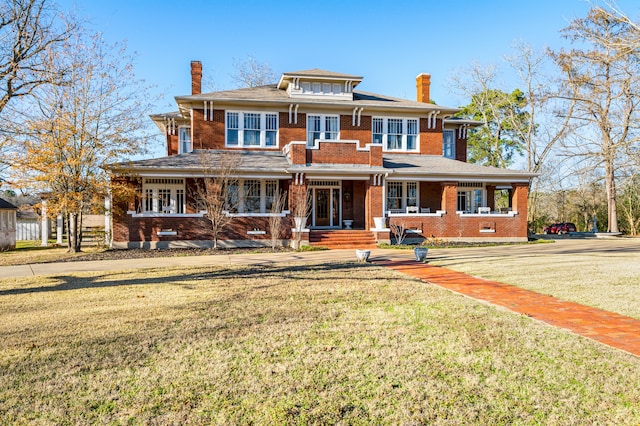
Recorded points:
(322, 207)
(326, 207)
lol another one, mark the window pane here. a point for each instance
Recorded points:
(270, 138)
(271, 189)
(252, 196)
(313, 129)
(232, 128)
(412, 194)
(394, 136)
(184, 139)
(148, 200)
(180, 201)
(271, 121)
(462, 201)
(164, 200)
(331, 127)
(377, 130)
(394, 195)
(232, 198)
(448, 144)
(272, 127)
(412, 132)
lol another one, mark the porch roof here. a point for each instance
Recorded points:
(275, 163)
(196, 162)
(435, 167)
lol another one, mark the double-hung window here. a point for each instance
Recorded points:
(395, 134)
(322, 127)
(401, 195)
(251, 129)
(449, 144)
(252, 196)
(184, 140)
(163, 196)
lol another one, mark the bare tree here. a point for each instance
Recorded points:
(601, 78)
(68, 133)
(29, 31)
(276, 219)
(252, 73)
(218, 190)
(300, 205)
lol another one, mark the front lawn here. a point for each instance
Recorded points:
(292, 344)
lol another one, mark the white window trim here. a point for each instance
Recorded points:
(263, 129)
(180, 150)
(404, 199)
(453, 144)
(405, 128)
(155, 187)
(470, 190)
(263, 200)
(323, 128)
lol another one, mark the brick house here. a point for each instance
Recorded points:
(367, 162)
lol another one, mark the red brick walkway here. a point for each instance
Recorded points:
(612, 329)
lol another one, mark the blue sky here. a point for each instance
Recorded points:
(387, 42)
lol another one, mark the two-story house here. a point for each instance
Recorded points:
(366, 161)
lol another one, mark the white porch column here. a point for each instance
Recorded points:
(44, 224)
(107, 220)
(59, 229)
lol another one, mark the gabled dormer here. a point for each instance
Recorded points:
(319, 84)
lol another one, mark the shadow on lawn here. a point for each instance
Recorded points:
(316, 272)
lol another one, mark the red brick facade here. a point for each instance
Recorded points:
(360, 190)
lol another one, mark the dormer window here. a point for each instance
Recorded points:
(319, 84)
(316, 88)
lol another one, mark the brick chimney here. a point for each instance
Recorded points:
(196, 77)
(423, 86)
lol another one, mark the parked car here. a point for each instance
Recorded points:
(551, 229)
(560, 228)
(566, 227)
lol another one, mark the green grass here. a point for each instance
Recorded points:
(33, 252)
(608, 280)
(331, 343)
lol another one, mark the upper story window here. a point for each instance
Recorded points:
(322, 127)
(251, 129)
(395, 134)
(449, 144)
(184, 140)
